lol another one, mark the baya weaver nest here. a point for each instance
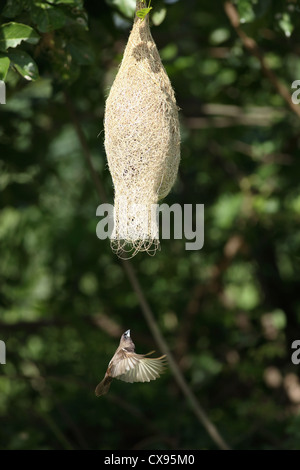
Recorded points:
(142, 141)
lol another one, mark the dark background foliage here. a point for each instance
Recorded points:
(230, 311)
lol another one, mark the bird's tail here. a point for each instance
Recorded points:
(103, 387)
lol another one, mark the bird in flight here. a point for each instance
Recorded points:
(129, 366)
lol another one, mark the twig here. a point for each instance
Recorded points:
(51, 424)
(129, 408)
(254, 112)
(253, 48)
(85, 149)
(100, 320)
(71, 424)
(223, 122)
(147, 312)
(246, 149)
(221, 116)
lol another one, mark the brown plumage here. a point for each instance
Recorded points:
(130, 367)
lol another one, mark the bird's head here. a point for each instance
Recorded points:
(126, 341)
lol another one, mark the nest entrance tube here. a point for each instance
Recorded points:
(142, 142)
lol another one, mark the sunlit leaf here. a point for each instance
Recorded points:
(24, 64)
(143, 13)
(286, 24)
(4, 66)
(159, 15)
(47, 17)
(12, 34)
(127, 7)
(245, 9)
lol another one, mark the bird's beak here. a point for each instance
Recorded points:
(127, 333)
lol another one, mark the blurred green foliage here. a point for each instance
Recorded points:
(229, 312)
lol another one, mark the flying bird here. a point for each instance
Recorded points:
(129, 366)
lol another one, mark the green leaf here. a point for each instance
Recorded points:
(75, 18)
(286, 24)
(159, 15)
(4, 66)
(127, 7)
(219, 35)
(47, 17)
(245, 10)
(143, 13)
(12, 34)
(24, 64)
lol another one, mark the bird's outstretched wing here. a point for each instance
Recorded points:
(134, 367)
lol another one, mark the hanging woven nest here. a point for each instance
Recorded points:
(142, 141)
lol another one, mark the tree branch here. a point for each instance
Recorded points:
(253, 48)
